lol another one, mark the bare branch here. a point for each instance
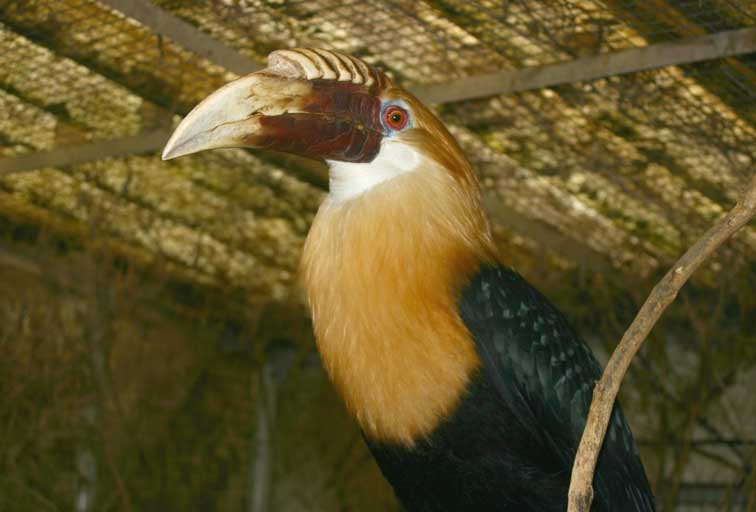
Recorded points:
(605, 392)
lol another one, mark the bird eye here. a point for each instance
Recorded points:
(396, 117)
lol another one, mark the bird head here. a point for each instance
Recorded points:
(325, 105)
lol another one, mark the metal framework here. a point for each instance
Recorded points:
(714, 46)
(147, 142)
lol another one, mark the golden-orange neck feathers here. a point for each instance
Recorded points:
(382, 273)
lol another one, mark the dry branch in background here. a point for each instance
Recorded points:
(605, 392)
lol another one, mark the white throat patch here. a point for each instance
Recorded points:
(348, 180)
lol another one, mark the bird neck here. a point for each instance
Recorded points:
(382, 273)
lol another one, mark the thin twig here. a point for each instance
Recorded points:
(605, 392)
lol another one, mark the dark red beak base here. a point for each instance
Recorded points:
(342, 121)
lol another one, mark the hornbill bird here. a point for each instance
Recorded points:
(470, 388)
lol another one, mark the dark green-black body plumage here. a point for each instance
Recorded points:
(511, 442)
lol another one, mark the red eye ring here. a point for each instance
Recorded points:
(396, 117)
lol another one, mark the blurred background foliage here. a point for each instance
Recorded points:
(139, 392)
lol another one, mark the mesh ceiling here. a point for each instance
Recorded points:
(624, 171)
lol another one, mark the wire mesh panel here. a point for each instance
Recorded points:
(589, 184)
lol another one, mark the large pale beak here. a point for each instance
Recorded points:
(323, 119)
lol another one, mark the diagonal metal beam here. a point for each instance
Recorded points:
(147, 142)
(303, 169)
(166, 24)
(686, 51)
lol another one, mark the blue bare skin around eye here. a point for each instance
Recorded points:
(399, 103)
